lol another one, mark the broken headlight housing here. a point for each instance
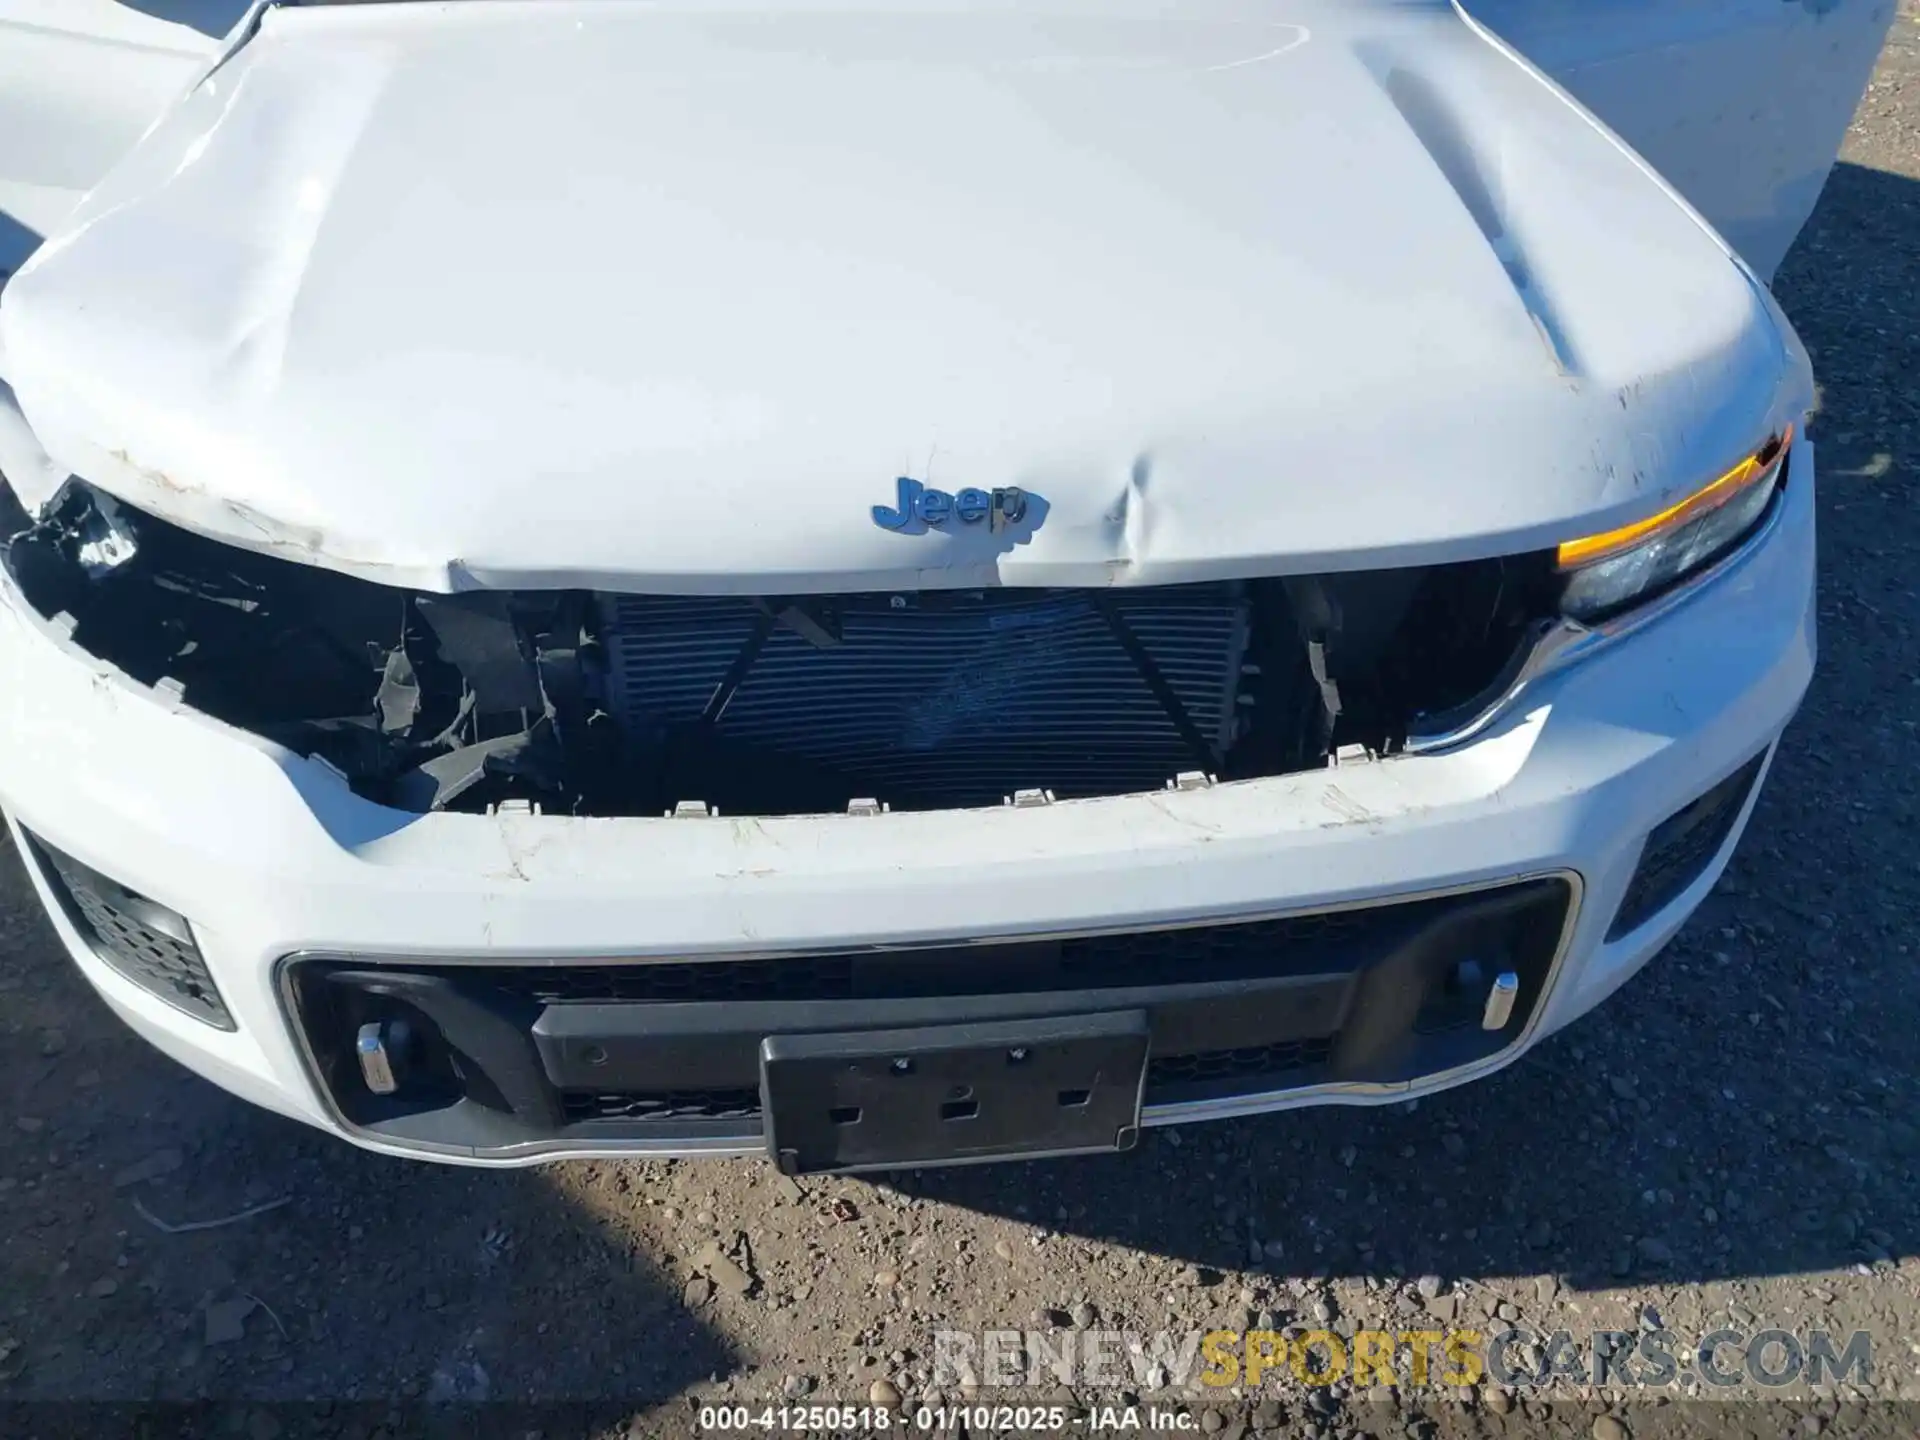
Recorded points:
(1610, 572)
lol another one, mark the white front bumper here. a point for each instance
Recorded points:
(269, 854)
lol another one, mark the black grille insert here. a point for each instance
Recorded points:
(1249, 1062)
(1680, 848)
(673, 1050)
(143, 941)
(730, 1103)
(1248, 1068)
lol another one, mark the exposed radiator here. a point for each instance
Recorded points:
(942, 698)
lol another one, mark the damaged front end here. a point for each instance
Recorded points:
(419, 701)
(600, 703)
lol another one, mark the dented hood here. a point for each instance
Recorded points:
(667, 296)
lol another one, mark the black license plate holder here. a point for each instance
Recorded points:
(951, 1094)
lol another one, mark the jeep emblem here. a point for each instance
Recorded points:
(1001, 508)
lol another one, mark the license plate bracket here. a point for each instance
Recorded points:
(950, 1094)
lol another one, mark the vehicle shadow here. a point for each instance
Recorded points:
(323, 1272)
(1747, 1105)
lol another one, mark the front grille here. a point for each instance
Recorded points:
(828, 977)
(1681, 847)
(666, 1051)
(736, 1103)
(941, 698)
(1225, 952)
(1249, 1068)
(1249, 1062)
(142, 941)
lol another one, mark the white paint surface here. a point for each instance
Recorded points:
(664, 296)
(1741, 104)
(269, 854)
(79, 81)
(1229, 293)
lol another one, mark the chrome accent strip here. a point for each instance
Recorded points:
(1178, 1113)
(1555, 645)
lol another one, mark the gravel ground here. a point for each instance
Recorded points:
(1733, 1140)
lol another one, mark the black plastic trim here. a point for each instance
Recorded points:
(538, 1072)
(139, 939)
(1681, 847)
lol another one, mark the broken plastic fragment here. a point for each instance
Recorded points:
(478, 636)
(398, 699)
(439, 781)
(106, 539)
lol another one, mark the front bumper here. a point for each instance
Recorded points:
(271, 857)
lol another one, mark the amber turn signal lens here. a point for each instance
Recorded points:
(1756, 467)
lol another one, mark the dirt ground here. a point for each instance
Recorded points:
(1735, 1139)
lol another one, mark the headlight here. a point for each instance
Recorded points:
(1609, 572)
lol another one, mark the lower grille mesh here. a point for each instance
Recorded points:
(1681, 847)
(1250, 1068)
(722, 1104)
(122, 927)
(1247, 1063)
(943, 698)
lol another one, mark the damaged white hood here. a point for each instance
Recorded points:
(670, 296)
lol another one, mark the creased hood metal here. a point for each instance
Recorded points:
(667, 296)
